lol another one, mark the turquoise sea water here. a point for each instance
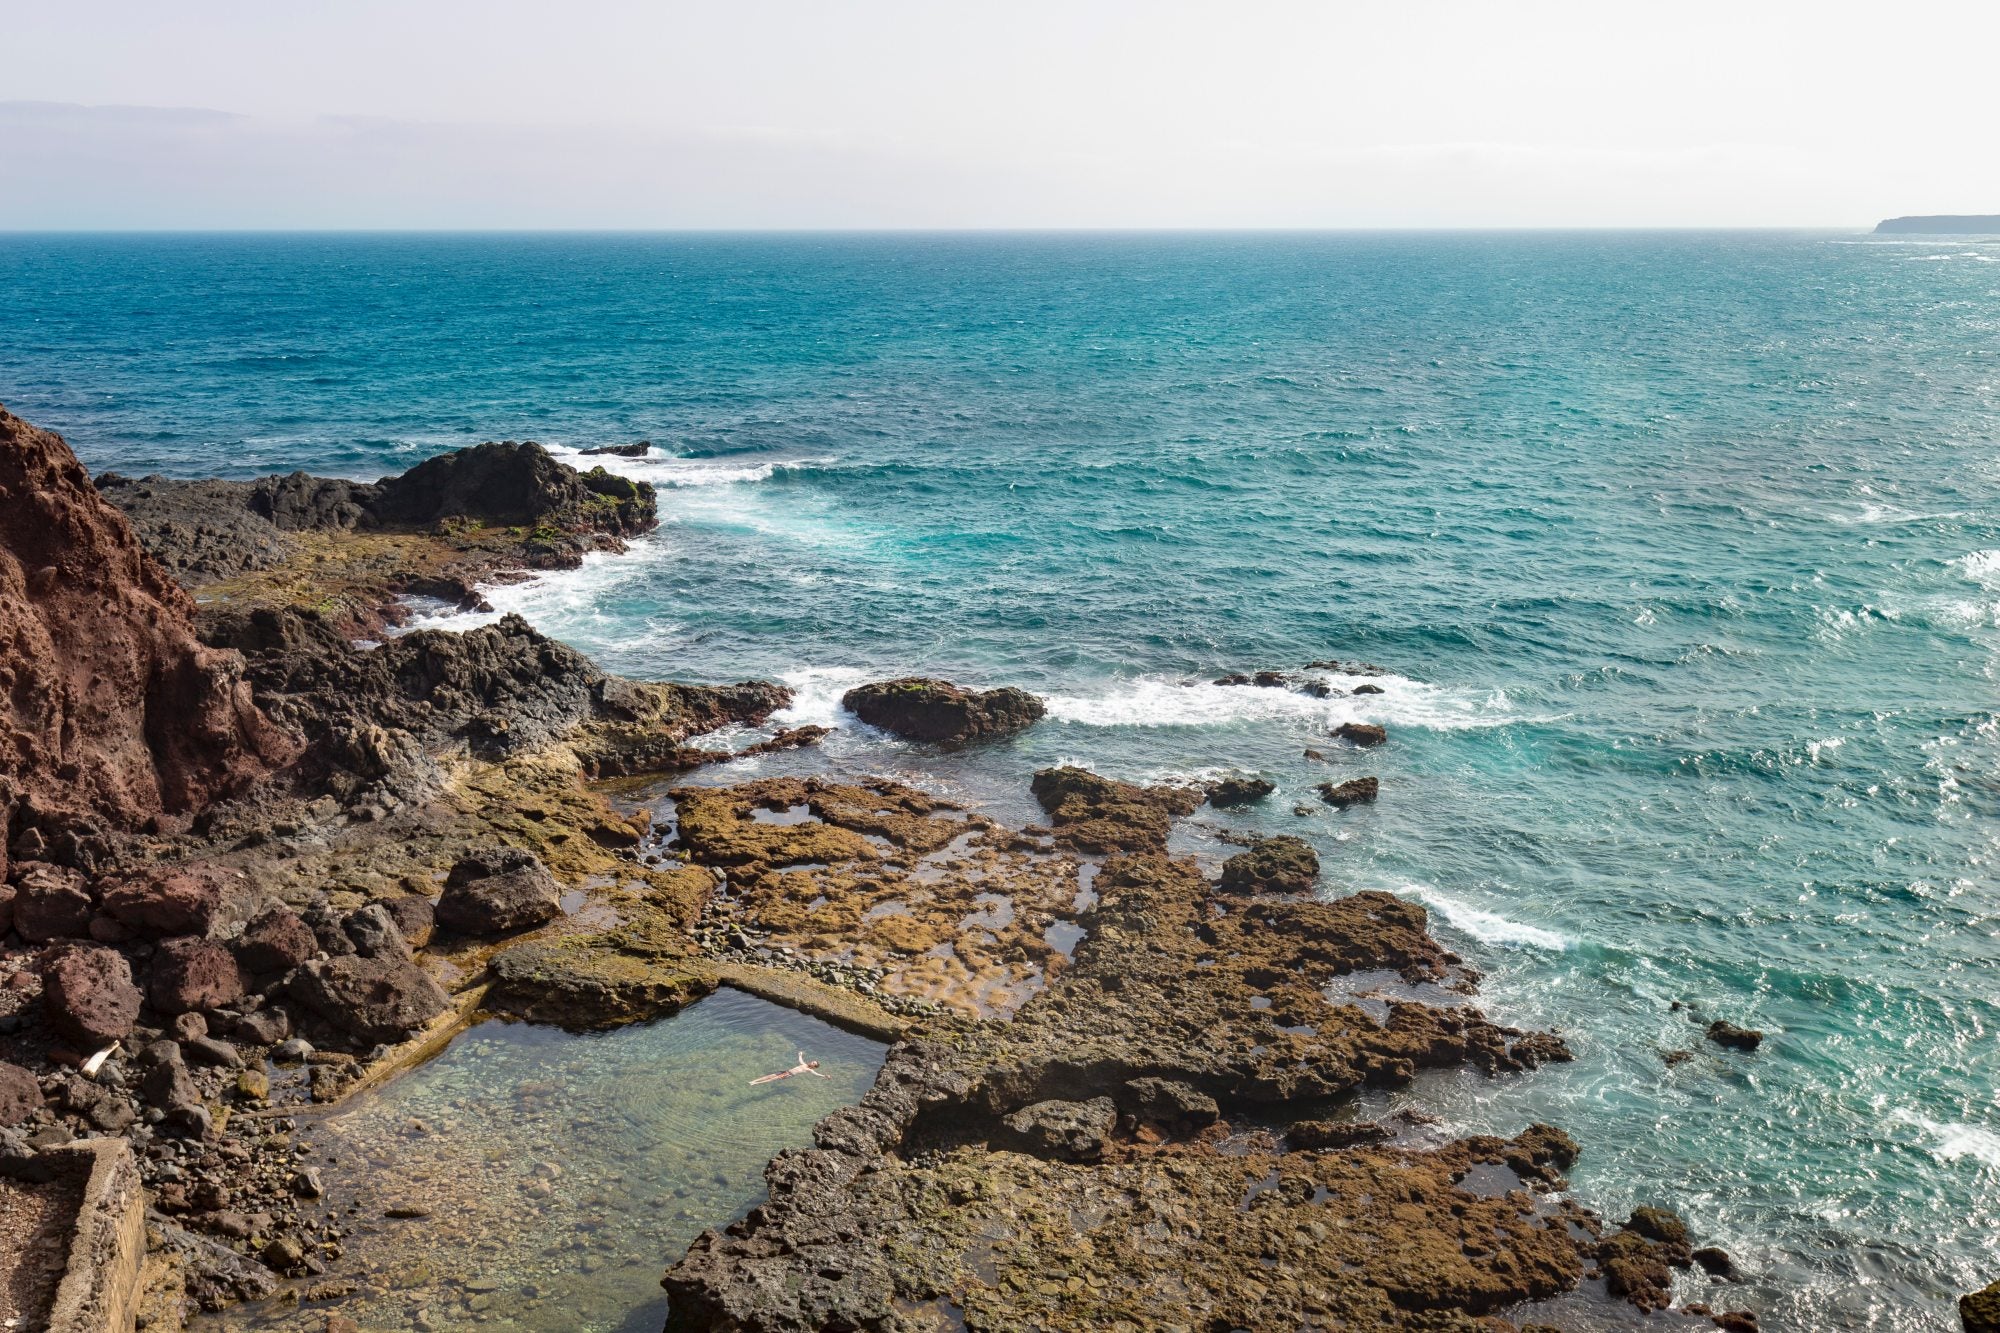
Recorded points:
(1682, 552)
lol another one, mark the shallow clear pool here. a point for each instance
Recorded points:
(561, 1173)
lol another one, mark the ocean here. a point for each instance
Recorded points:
(1679, 554)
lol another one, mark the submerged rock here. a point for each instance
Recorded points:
(1283, 864)
(1724, 1033)
(920, 708)
(1362, 734)
(498, 891)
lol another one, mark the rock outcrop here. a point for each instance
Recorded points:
(498, 891)
(113, 708)
(920, 708)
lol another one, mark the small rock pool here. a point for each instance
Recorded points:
(558, 1174)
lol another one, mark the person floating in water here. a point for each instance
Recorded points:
(804, 1066)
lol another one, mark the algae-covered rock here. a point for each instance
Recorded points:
(1283, 864)
(920, 708)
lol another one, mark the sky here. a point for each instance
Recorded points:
(963, 113)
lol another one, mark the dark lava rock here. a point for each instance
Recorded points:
(1239, 791)
(497, 891)
(168, 1087)
(275, 941)
(193, 974)
(639, 450)
(1660, 1224)
(20, 1094)
(1066, 1131)
(262, 1027)
(922, 709)
(212, 1051)
(1717, 1263)
(415, 917)
(105, 1109)
(1724, 1033)
(375, 933)
(88, 995)
(51, 903)
(1311, 1134)
(1354, 791)
(1979, 1311)
(1363, 734)
(328, 926)
(370, 999)
(1283, 864)
(1369, 689)
(514, 484)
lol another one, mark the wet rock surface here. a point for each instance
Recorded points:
(920, 708)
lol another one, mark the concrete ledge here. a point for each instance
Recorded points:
(99, 1290)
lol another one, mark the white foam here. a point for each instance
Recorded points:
(1487, 927)
(816, 695)
(1157, 701)
(675, 472)
(1952, 1140)
(1981, 567)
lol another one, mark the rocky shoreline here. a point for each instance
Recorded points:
(262, 861)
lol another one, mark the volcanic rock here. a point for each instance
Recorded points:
(275, 941)
(164, 902)
(375, 933)
(920, 708)
(1363, 734)
(50, 903)
(1066, 1131)
(497, 891)
(1316, 1134)
(415, 917)
(1283, 864)
(373, 1000)
(1724, 1033)
(639, 450)
(1170, 1102)
(1097, 814)
(20, 1094)
(1239, 791)
(1979, 1312)
(190, 973)
(515, 485)
(118, 709)
(1354, 791)
(88, 995)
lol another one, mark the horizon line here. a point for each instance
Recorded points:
(888, 230)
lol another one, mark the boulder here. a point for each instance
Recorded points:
(192, 974)
(498, 891)
(102, 1107)
(20, 1094)
(920, 708)
(1166, 1101)
(88, 995)
(1283, 864)
(1066, 1131)
(1239, 791)
(1354, 791)
(1979, 1312)
(1099, 814)
(167, 1087)
(375, 933)
(1724, 1033)
(639, 450)
(1369, 689)
(414, 916)
(274, 941)
(372, 1000)
(1363, 734)
(51, 903)
(164, 902)
(513, 484)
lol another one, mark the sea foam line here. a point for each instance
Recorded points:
(1158, 701)
(1953, 1139)
(1487, 927)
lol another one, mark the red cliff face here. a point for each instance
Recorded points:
(108, 704)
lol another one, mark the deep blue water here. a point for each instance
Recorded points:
(1682, 550)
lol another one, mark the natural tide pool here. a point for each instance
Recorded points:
(559, 1173)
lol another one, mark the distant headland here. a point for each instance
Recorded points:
(1942, 224)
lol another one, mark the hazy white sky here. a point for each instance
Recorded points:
(1090, 113)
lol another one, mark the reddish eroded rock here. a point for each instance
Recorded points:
(192, 975)
(116, 708)
(920, 708)
(51, 903)
(88, 995)
(275, 941)
(20, 1094)
(164, 901)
